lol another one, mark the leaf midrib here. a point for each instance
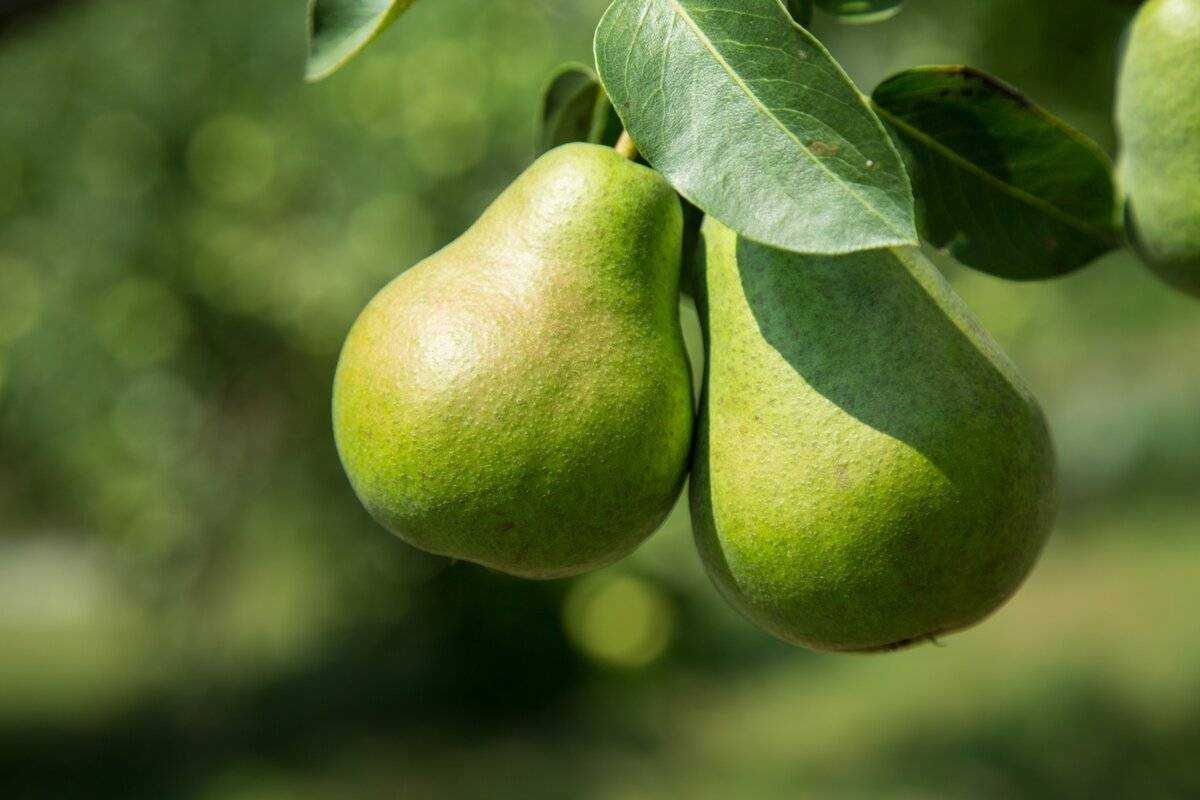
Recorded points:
(1015, 191)
(725, 65)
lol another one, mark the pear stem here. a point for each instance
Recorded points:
(626, 147)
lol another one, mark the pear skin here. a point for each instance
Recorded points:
(1158, 117)
(870, 470)
(522, 399)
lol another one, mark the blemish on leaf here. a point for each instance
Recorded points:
(823, 149)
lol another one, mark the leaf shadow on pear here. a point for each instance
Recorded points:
(877, 339)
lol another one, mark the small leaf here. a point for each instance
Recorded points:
(576, 109)
(1008, 188)
(861, 12)
(339, 29)
(801, 11)
(752, 120)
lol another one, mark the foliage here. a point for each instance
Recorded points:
(753, 121)
(1010, 189)
(339, 29)
(576, 109)
(756, 124)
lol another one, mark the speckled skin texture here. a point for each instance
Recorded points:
(1158, 116)
(870, 470)
(522, 399)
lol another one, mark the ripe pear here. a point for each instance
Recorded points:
(522, 399)
(870, 469)
(1158, 116)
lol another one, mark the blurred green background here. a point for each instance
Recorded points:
(193, 604)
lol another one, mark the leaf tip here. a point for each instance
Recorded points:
(312, 75)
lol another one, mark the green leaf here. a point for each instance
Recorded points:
(861, 12)
(576, 109)
(801, 11)
(339, 29)
(752, 120)
(1007, 187)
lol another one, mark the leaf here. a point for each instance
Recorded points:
(1008, 188)
(576, 109)
(861, 12)
(339, 29)
(751, 119)
(801, 11)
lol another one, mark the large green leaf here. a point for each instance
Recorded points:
(576, 109)
(752, 120)
(1008, 188)
(339, 29)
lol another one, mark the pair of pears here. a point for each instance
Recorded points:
(868, 469)
(1158, 116)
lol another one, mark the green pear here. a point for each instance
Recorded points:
(870, 470)
(521, 399)
(1158, 116)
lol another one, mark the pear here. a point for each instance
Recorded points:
(870, 469)
(1158, 117)
(521, 399)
